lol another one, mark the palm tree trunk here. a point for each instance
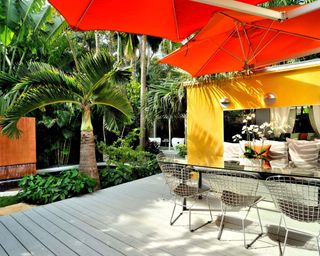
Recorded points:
(88, 161)
(143, 90)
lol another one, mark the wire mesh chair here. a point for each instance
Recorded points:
(296, 198)
(236, 190)
(183, 184)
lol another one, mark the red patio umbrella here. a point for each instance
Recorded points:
(171, 19)
(233, 41)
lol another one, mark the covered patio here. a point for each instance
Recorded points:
(133, 219)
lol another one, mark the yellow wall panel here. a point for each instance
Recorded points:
(205, 115)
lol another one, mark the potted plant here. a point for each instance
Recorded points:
(255, 135)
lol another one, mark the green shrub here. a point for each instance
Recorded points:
(43, 189)
(126, 163)
(9, 200)
(117, 174)
(111, 176)
(182, 150)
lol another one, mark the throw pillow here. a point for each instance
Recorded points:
(303, 136)
(231, 151)
(304, 154)
(294, 136)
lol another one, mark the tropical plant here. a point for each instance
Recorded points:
(63, 121)
(126, 162)
(26, 27)
(96, 83)
(43, 189)
(166, 96)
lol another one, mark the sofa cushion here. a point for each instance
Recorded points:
(304, 154)
(231, 151)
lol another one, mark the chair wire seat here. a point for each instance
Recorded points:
(183, 184)
(296, 198)
(236, 190)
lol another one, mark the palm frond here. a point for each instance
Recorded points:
(165, 99)
(4, 105)
(114, 120)
(40, 74)
(32, 99)
(7, 81)
(114, 97)
(94, 67)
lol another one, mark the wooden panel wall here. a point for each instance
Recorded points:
(18, 156)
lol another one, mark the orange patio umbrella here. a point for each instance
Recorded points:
(233, 41)
(171, 19)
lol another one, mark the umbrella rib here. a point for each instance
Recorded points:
(84, 13)
(287, 33)
(249, 42)
(265, 34)
(257, 53)
(241, 44)
(216, 52)
(175, 18)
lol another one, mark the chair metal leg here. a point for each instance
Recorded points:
(194, 229)
(282, 250)
(244, 234)
(317, 238)
(223, 212)
(209, 209)
(260, 223)
(189, 208)
(174, 208)
(279, 226)
(244, 228)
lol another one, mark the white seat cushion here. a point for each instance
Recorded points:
(304, 154)
(231, 151)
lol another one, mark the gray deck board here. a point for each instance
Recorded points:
(48, 240)
(10, 243)
(64, 237)
(157, 220)
(2, 251)
(132, 219)
(105, 240)
(73, 227)
(98, 221)
(26, 239)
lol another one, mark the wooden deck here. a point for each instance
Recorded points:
(131, 219)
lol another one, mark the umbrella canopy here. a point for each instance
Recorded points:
(233, 41)
(171, 19)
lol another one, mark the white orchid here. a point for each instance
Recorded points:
(253, 131)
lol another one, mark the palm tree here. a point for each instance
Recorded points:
(96, 83)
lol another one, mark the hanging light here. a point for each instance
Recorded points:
(270, 98)
(225, 102)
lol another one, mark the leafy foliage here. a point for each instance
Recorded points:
(43, 189)
(152, 147)
(26, 30)
(166, 95)
(125, 162)
(182, 150)
(62, 123)
(9, 200)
